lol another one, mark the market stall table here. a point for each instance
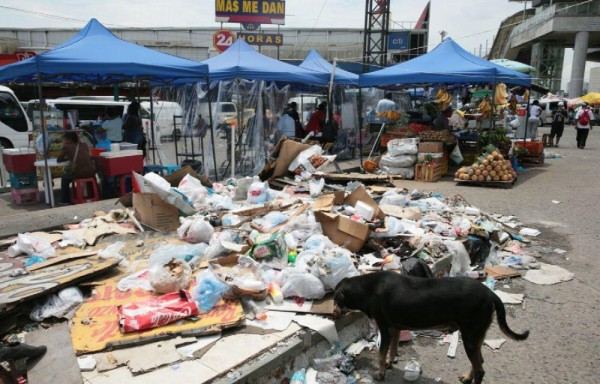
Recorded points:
(47, 172)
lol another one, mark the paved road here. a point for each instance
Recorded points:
(564, 344)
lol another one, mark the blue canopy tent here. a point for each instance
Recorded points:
(447, 63)
(317, 63)
(96, 56)
(241, 61)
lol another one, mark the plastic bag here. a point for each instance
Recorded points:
(460, 258)
(394, 227)
(397, 147)
(72, 238)
(407, 173)
(112, 251)
(31, 245)
(456, 156)
(195, 229)
(308, 160)
(193, 189)
(315, 187)
(298, 283)
(169, 195)
(318, 242)
(257, 192)
(334, 267)
(139, 279)
(303, 226)
(171, 276)
(57, 305)
(192, 254)
(215, 248)
(271, 220)
(400, 161)
(208, 291)
(393, 198)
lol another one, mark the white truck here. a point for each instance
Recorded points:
(15, 126)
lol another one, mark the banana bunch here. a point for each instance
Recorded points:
(513, 105)
(501, 96)
(443, 98)
(485, 108)
(526, 96)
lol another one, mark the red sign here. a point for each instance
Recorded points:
(223, 39)
(8, 58)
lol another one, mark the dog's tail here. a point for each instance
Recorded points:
(501, 317)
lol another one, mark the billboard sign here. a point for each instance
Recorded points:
(398, 41)
(275, 39)
(250, 11)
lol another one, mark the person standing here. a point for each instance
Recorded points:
(112, 126)
(386, 104)
(534, 119)
(293, 113)
(442, 122)
(81, 164)
(133, 131)
(558, 124)
(317, 119)
(583, 125)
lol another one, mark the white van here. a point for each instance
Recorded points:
(549, 106)
(164, 123)
(15, 126)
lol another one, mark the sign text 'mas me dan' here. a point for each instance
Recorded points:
(250, 11)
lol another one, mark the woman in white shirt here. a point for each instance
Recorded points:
(534, 119)
(583, 120)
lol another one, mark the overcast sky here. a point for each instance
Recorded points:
(469, 22)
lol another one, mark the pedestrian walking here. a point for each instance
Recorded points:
(558, 124)
(583, 124)
(534, 119)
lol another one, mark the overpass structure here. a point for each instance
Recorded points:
(542, 34)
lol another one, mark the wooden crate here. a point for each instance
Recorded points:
(430, 172)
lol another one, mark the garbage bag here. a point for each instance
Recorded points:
(193, 189)
(398, 147)
(170, 277)
(31, 245)
(208, 291)
(57, 305)
(400, 161)
(298, 283)
(195, 229)
(334, 267)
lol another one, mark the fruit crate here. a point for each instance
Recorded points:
(430, 172)
(25, 196)
(23, 180)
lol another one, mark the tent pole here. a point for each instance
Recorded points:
(493, 121)
(212, 129)
(330, 98)
(526, 119)
(154, 147)
(48, 188)
(360, 124)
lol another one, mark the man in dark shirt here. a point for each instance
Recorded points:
(82, 166)
(293, 113)
(442, 122)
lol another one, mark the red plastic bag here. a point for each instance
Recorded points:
(156, 311)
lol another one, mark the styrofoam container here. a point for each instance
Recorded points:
(365, 210)
(122, 153)
(127, 146)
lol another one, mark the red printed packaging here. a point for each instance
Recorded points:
(156, 312)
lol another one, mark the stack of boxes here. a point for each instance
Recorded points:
(23, 178)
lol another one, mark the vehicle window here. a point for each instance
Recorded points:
(145, 114)
(11, 114)
(225, 108)
(87, 112)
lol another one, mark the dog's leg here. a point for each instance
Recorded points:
(395, 339)
(473, 350)
(383, 351)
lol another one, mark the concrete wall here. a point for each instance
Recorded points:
(594, 80)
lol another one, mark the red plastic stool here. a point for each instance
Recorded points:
(84, 190)
(123, 183)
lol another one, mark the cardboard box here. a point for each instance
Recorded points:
(431, 147)
(155, 213)
(343, 231)
(290, 149)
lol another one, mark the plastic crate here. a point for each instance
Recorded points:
(535, 148)
(25, 196)
(23, 180)
(18, 160)
(115, 166)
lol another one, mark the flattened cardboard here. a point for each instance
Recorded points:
(289, 151)
(412, 213)
(155, 213)
(343, 231)
(361, 194)
(499, 272)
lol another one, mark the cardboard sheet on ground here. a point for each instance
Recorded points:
(509, 298)
(318, 307)
(548, 274)
(325, 327)
(46, 280)
(275, 320)
(499, 272)
(103, 329)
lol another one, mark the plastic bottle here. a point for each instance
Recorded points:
(476, 274)
(327, 362)
(299, 377)
(292, 257)
(275, 292)
(412, 370)
(259, 314)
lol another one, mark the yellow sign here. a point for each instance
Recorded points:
(96, 326)
(250, 11)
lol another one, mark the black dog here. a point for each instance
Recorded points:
(399, 302)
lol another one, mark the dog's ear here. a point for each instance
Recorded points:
(338, 296)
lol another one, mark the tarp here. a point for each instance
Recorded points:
(317, 63)
(447, 63)
(95, 55)
(241, 61)
(514, 65)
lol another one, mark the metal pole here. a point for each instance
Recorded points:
(153, 147)
(526, 120)
(492, 120)
(212, 129)
(360, 124)
(47, 174)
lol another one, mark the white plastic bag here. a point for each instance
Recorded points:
(170, 277)
(334, 267)
(193, 189)
(72, 238)
(57, 305)
(139, 279)
(318, 243)
(400, 161)
(407, 173)
(460, 258)
(186, 252)
(257, 192)
(393, 198)
(31, 245)
(297, 283)
(397, 147)
(195, 229)
(456, 156)
(315, 187)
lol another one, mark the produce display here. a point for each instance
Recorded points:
(490, 167)
(416, 127)
(390, 115)
(443, 99)
(485, 108)
(443, 136)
